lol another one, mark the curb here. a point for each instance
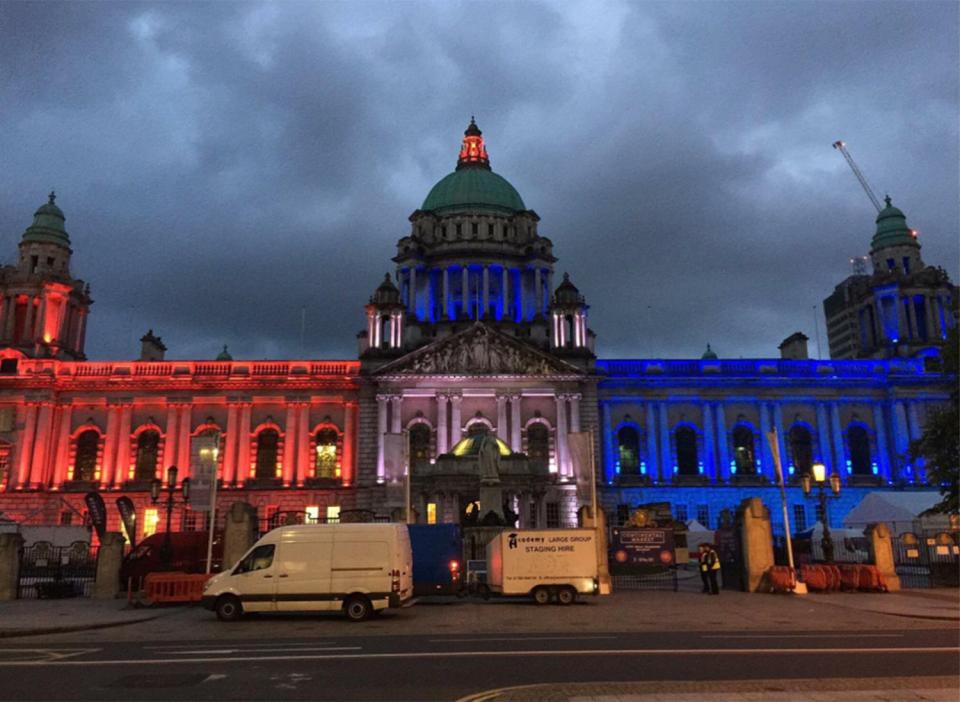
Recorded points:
(15, 633)
(928, 617)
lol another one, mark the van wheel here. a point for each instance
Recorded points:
(541, 595)
(566, 595)
(228, 608)
(357, 608)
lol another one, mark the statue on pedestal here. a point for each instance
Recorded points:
(488, 459)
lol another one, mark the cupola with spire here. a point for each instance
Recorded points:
(709, 355)
(385, 317)
(568, 312)
(894, 246)
(224, 355)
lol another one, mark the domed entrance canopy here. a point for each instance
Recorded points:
(470, 445)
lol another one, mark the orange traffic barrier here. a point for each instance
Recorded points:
(781, 578)
(162, 588)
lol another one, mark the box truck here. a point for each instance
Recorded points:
(546, 564)
(358, 569)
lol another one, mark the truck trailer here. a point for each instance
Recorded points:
(545, 564)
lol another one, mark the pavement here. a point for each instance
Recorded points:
(623, 611)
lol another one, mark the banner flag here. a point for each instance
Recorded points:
(775, 451)
(128, 517)
(394, 454)
(581, 457)
(97, 511)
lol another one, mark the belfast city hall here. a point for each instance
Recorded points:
(474, 336)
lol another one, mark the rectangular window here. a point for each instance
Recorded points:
(313, 514)
(190, 521)
(680, 512)
(799, 517)
(553, 515)
(533, 515)
(66, 518)
(703, 515)
(906, 265)
(476, 229)
(431, 513)
(151, 517)
(333, 514)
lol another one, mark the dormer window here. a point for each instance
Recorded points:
(906, 265)
(475, 228)
(891, 264)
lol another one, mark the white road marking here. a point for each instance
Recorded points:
(499, 654)
(801, 636)
(225, 651)
(197, 644)
(213, 677)
(52, 654)
(521, 638)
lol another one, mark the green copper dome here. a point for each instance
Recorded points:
(892, 229)
(473, 188)
(48, 225)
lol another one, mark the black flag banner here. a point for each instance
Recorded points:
(128, 517)
(97, 511)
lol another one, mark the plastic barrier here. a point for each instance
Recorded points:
(781, 578)
(179, 588)
(815, 577)
(849, 576)
(871, 579)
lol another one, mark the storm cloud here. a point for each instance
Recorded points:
(228, 169)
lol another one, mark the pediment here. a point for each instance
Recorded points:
(478, 350)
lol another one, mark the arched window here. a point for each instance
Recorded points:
(801, 449)
(859, 450)
(268, 445)
(628, 441)
(687, 463)
(743, 450)
(538, 444)
(85, 465)
(148, 444)
(5, 448)
(326, 453)
(420, 441)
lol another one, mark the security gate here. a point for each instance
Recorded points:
(927, 560)
(49, 572)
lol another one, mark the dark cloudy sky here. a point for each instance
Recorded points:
(224, 165)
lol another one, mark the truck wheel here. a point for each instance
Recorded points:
(357, 608)
(541, 595)
(228, 608)
(566, 595)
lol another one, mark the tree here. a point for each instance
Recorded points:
(940, 444)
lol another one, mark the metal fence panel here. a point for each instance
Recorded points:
(50, 572)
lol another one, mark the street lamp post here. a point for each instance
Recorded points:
(819, 477)
(166, 550)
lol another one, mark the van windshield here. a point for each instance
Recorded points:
(259, 558)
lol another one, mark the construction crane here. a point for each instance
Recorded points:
(842, 148)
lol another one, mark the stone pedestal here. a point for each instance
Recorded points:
(239, 533)
(880, 548)
(109, 558)
(491, 500)
(757, 540)
(9, 565)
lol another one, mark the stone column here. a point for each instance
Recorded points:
(25, 447)
(121, 471)
(883, 450)
(609, 450)
(290, 445)
(840, 465)
(10, 317)
(502, 427)
(765, 451)
(396, 423)
(666, 449)
(653, 457)
(169, 441)
(41, 445)
(880, 548)
(347, 465)
(109, 558)
(445, 307)
(912, 318)
(916, 431)
(413, 291)
(486, 291)
(28, 322)
(709, 443)
(723, 446)
(575, 411)
(183, 443)
(442, 441)
(9, 565)
(110, 446)
(516, 428)
(537, 292)
(243, 443)
(230, 447)
(505, 293)
(304, 464)
(41, 320)
(381, 430)
(563, 468)
(456, 423)
(757, 541)
(823, 437)
(239, 533)
(63, 447)
(465, 290)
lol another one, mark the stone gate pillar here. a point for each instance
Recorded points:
(239, 533)
(757, 539)
(109, 558)
(880, 548)
(9, 565)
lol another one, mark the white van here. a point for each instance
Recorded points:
(357, 568)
